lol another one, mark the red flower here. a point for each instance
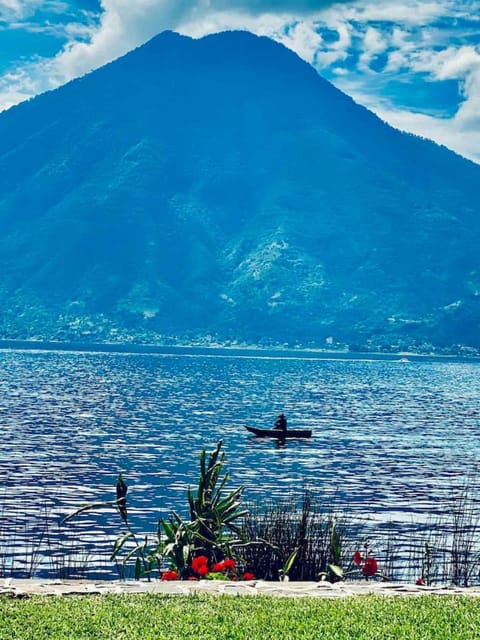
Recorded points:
(357, 558)
(200, 565)
(169, 575)
(229, 563)
(248, 576)
(370, 567)
(225, 565)
(202, 570)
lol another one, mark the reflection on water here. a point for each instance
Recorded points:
(389, 438)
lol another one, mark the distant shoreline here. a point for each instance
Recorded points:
(252, 351)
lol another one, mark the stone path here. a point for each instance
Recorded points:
(25, 588)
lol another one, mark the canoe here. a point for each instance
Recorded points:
(279, 433)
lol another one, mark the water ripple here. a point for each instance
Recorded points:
(389, 439)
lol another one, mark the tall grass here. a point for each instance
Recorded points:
(34, 544)
(446, 549)
(301, 525)
(23, 540)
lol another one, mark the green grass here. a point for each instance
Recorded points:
(203, 617)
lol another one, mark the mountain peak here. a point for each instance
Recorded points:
(221, 186)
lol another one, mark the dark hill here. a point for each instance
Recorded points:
(220, 186)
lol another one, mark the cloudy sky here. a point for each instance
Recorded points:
(415, 63)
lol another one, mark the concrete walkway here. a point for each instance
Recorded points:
(26, 588)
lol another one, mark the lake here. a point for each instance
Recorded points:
(390, 438)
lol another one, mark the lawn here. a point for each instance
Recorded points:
(206, 617)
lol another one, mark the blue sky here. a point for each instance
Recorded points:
(415, 63)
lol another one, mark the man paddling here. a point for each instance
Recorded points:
(281, 422)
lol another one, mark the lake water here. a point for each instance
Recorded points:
(390, 438)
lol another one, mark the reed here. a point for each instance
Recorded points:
(34, 544)
(300, 525)
(24, 539)
(446, 549)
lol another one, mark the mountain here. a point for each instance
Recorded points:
(220, 187)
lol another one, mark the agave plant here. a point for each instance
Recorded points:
(212, 530)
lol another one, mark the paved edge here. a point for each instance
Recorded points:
(18, 588)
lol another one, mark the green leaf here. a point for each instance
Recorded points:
(89, 507)
(174, 516)
(168, 549)
(290, 560)
(336, 570)
(168, 529)
(138, 569)
(119, 543)
(218, 494)
(139, 549)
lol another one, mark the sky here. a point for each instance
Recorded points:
(415, 63)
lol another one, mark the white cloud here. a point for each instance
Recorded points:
(450, 132)
(422, 51)
(303, 39)
(409, 12)
(451, 63)
(263, 25)
(461, 132)
(17, 9)
(467, 118)
(16, 87)
(374, 43)
(337, 51)
(11, 10)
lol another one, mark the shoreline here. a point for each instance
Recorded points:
(226, 351)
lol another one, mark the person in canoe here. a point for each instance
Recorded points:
(281, 422)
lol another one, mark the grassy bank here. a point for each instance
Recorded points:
(203, 617)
